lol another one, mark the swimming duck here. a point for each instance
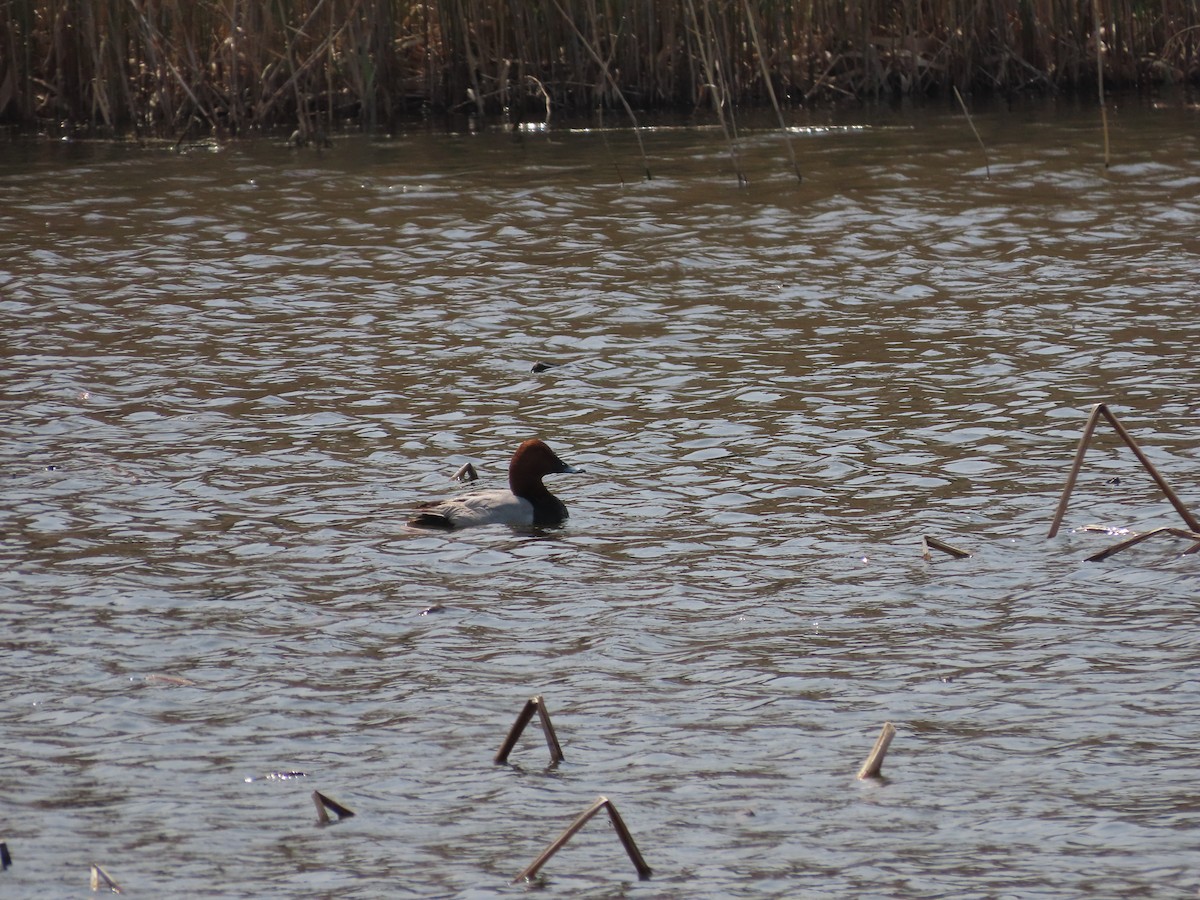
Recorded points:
(526, 502)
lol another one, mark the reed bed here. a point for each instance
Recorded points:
(231, 67)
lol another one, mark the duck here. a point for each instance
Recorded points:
(527, 502)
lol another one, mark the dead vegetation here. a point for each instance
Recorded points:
(171, 68)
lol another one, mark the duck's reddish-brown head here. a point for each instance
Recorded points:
(532, 460)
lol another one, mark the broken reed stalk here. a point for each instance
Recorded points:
(934, 544)
(600, 61)
(102, 880)
(618, 825)
(1100, 77)
(966, 112)
(1138, 538)
(532, 705)
(323, 803)
(1101, 409)
(1191, 521)
(766, 76)
(874, 761)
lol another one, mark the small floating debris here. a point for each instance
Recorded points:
(618, 824)
(430, 610)
(101, 880)
(532, 705)
(932, 543)
(466, 474)
(5, 859)
(277, 776)
(874, 761)
(323, 803)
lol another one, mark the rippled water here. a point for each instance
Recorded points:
(229, 375)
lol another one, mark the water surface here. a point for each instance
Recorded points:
(230, 373)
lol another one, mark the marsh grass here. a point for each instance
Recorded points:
(229, 67)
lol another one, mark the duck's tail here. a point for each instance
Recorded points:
(431, 520)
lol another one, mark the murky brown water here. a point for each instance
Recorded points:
(229, 375)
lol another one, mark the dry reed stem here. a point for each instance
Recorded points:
(935, 544)
(476, 91)
(1101, 409)
(1191, 521)
(987, 166)
(1130, 542)
(618, 824)
(616, 167)
(599, 60)
(1100, 76)
(323, 803)
(714, 81)
(1084, 440)
(1138, 538)
(101, 880)
(874, 761)
(766, 76)
(532, 705)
